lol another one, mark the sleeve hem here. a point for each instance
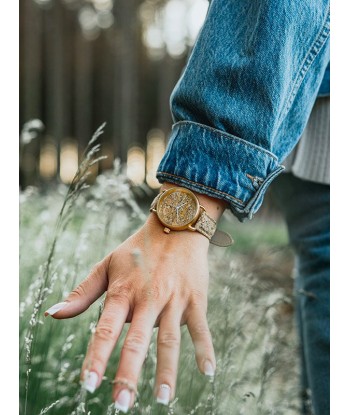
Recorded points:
(220, 165)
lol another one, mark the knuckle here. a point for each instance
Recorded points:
(118, 293)
(150, 293)
(135, 342)
(100, 266)
(198, 297)
(105, 333)
(201, 329)
(169, 339)
(79, 291)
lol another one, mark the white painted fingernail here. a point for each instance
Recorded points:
(163, 394)
(90, 381)
(208, 368)
(55, 308)
(123, 401)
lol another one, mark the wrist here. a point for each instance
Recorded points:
(155, 228)
(178, 208)
(213, 206)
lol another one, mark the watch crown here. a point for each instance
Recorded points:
(166, 230)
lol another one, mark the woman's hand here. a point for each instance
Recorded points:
(152, 279)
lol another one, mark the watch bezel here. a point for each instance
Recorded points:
(180, 190)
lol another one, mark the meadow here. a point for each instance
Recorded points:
(65, 230)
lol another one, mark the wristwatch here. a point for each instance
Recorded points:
(178, 209)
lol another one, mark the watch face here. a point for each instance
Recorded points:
(178, 208)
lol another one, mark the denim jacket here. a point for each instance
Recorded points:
(244, 97)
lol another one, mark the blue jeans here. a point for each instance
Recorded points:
(306, 208)
(245, 96)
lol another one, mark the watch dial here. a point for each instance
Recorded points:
(177, 209)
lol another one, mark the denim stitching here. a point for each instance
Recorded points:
(210, 189)
(311, 55)
(250, 206)
(226, 135)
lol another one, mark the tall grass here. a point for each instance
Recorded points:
(63, 234)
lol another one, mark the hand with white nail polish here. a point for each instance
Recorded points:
(152, 279)
(55, 308)
(90, 381)
(163, 395)
(123, 400)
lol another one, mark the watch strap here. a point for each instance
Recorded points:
(205, 225)
(155, 201)
(221, 238)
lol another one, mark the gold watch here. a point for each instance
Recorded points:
(178, 209)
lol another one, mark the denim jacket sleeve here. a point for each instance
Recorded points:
(245, 96)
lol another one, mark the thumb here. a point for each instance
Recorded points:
(86, 293)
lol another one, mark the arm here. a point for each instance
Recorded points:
(238, 109)
(245, 96)
(152, 279)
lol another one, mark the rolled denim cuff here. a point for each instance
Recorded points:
(220, 165)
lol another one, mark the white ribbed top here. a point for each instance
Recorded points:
(310, 158)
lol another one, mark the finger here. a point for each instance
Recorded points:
(199, 330)
(86, 293)
(168, 352)
(133, 354)
(103, 340)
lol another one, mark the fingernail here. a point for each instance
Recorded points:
(208, 368)
(55, 308)
(90, 381)
(123, 401)
(163, 394)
